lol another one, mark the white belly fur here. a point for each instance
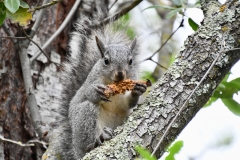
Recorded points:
(113, 114)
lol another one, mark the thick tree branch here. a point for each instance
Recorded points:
(149, 121)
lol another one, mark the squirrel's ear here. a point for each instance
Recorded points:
(101, 46)
(133, 44)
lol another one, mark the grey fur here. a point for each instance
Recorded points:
(99, 56)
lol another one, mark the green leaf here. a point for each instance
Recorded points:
(232, 105)
(210, 101)
(148, 75)
(180, 2)
(159, 6)
(193, 6)
(12, 5)
(198, 2)
(21, 16)
(177, 2)
(2, 13)
(235, 83)
(173, 12)
(145, 153)
(192, 24)
(174, 149)
(23, 4)
(226, 77)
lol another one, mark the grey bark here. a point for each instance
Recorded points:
(148, 122)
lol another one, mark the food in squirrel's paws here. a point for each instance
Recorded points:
(123, 86)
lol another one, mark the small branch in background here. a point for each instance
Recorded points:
(112, 4)
(38, 20)
(13, 37)
(59, 30)
(8, 31)
(118, 14)
(53, 2)
(15, 142)
(150, 58)
(37, 141)
(38, 46)
(190, 96)
(158, 64)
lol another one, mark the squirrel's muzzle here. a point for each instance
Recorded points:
(119, 75)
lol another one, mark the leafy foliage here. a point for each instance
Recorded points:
(2, 12)
(148, 75)
(12, 5)
(225, 92)
(174, 149)
(124, 25)
(21, 16)
(180, 6)
(15, 10)
(145, 153)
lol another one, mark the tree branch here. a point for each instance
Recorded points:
(149, 121)
(186, 102)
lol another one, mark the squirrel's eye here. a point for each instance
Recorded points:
(130, 62)
(106, 61)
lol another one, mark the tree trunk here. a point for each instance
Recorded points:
(149, 121)
(15, 118)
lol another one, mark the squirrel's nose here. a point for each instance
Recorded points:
(120, 74)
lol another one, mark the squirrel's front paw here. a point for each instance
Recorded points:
(100, 93)
(107, 134)
(139, 89)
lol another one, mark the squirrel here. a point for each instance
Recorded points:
(100, 56)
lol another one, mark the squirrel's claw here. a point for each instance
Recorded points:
(107, 134)
(100, 90)
(139, 89)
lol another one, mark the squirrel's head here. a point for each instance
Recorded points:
(118, 61)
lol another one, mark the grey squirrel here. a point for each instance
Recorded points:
(100, 56)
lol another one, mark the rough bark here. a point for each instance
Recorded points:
(149, 120)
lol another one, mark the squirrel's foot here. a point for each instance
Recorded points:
(139, 89)
(106, 134)
(100, 90)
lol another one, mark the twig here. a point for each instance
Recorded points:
(15, 142)
(8, 31)
(13, 37)
(44, 6)
(63, 25)
(35, 44)
(149, 58)
(118, 14)
(190, 96)
(37, 141)
(158, 64)
(112, 4)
